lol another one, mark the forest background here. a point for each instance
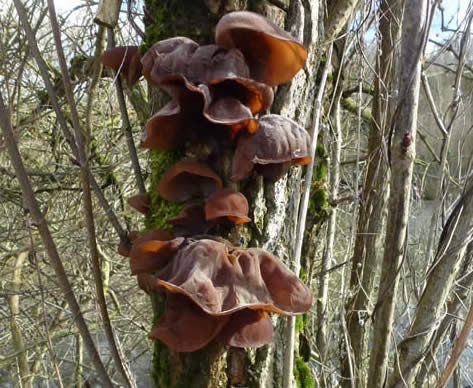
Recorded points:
(387, 244)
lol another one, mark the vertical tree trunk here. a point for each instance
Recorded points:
(375, 191)
(273, 207)
(402, 160)
(449, 259)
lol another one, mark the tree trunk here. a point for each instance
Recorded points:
(442, 275)
(404, 127)
(366, 262)
(273, 207)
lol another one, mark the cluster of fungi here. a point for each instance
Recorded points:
(215, 290)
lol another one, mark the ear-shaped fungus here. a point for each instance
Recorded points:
(168, 128)
(188, 179)
(273, 55)
(166, 57)
(228, 73)
(190, 221)
(123, 249)
(278, 140)
(223, 280)
(184, 327)
(229, 204)
(224, 69)
(182, 119)
(248, 328)
(125, 59)
(140, 202)
(144, 258)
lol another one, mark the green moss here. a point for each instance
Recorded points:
(319, 201)
(161, 209)
(189, 18)
(320, 151)
(161, 365)
(302, 374)
(320, 171)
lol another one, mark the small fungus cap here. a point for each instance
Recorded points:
(273, 55)
(169, 56)
(190, 221)
(248, 329)
(184, 327)
(220, 107)
(124, 247)
(278, 141)
(188, 179)
(144, 259)
(125, 59)
(195, 114)
(229, 204)
(140, 202)
(168, 128)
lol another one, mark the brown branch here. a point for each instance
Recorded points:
(40, 222)
(88, 208)
(61, 119)
(126, 124)
(457, 350)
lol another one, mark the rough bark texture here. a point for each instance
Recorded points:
(403, 154)
(458, 300)
(375, 192)
(431, 306)
(273, 207)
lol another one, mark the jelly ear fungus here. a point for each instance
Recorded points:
(214, 290)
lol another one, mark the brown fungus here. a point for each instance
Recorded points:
(223, 280)
(167, 129)
(278, 141)
(188, 179)
(273, 171)
(228, 204)
(140, 202)
(190, 221)
(125, 59)
(184, 327)
(272, 54)
(123, 249)
(218, 108)
(169, 56)
(224, 70)
(248, 328)
(195, 115)
(228, 73)
(144, 259)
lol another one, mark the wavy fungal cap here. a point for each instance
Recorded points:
(273, 55)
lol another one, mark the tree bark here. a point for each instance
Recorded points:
(273, 207)
(442, 274)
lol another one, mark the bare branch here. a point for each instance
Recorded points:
(89, 212)
(40, 222)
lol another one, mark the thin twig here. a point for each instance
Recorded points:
(457, 350)
(290, 328)
(61, 119)
(126, 124)
(40, 222)
(131, 20)
(88, 208)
